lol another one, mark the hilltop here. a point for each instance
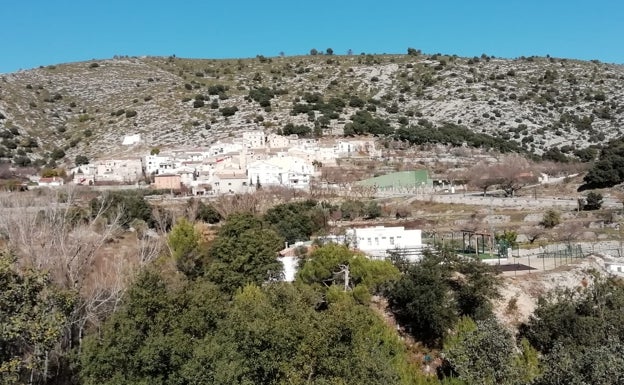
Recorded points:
(539, 105)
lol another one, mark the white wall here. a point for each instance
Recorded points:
(290, 267)
(376, 241)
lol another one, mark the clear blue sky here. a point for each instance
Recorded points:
(43, 32)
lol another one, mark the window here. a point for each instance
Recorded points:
(376, 241)
(370, 242)
(392, 240)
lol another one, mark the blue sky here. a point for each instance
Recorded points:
(43, 32)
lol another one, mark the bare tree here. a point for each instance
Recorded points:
(570, 231)
(533, 233)
(482, 176)
(51, 231)
(514, 172)
(228, 204)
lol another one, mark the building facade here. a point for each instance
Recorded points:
(380, 241)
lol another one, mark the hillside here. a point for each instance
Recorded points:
(86, 108)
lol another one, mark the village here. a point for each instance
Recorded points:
(229, 166)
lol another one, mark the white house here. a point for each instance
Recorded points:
(230, 183)
(124, 170)
(254, 139)
(264, 172)
(225, 147)
(187, 175)
(54, 181)
(378, 241)
(279, 141)
(296, 172)
(159, 164)
(614, 266)
(353, 147)
(130, 140)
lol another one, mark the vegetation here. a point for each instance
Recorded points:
(429, 297)
(593, 201)
(126, 206)
(580, 334)
(551, 219)
(607, 171)
(296, 221)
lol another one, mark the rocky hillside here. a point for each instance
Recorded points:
(60, 111)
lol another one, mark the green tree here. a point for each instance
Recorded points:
(154, 333)
(128, 205)
(296, 221)
(34, 316)
(593, 201)
(244, 252)
(429, 297)
(328, 266)
(352, 209)
(607, 171)
(208, 213)
(485, 353)
(372, 210)
(184, 243)
(80, 160)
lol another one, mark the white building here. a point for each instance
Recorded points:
(355, 147)
(158, 164)
(225, 147)
(130, 140)
(254, 139)
(378, 241)
(121, 170)
(230, 183)
(279, 141)
(287, 171)
(264, 172)
(614, 266)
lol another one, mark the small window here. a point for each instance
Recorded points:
(370, 241)
(392, 240)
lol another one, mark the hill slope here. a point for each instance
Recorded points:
(87, 108)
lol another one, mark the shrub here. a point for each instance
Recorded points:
(81, 159)
(593, 201)
(551, 219)
(131, 113)
(57, 154)
(228, 111)
(197, 103)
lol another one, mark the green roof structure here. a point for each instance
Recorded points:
(401, 179)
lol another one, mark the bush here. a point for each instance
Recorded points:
(198, 103)
(551, 219)
(593, 201)
(81, 159)
(130, 113)
(57, 154)
(300, 130)
(228, 111)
